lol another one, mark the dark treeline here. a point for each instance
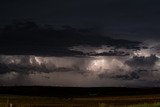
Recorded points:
(75, 91)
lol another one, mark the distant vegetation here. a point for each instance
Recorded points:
(76, 91)
(118, 101)
(157, 104)
(39, 96)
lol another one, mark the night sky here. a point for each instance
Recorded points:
(82, 43)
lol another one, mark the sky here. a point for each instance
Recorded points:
(82, 43)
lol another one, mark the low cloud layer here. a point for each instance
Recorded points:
(74, 57)
(140, 68)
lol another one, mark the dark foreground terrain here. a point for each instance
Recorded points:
(69, 92)
(37, 96)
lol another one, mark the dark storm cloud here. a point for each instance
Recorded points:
(135, 74)
(139, 67)
(85, 42)
(141, 61)
(30, 69)
(30, 38)
(102, 70)
(30, 65)
(133, 19)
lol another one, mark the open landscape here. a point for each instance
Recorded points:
(119, 101)
(36, 96)
(79, 53)
(127, 101)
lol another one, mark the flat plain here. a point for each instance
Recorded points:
(91, 97)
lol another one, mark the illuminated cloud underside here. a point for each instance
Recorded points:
(140, 67)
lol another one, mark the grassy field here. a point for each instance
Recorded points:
(38, 96)
(157, 104)
(109, 101)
